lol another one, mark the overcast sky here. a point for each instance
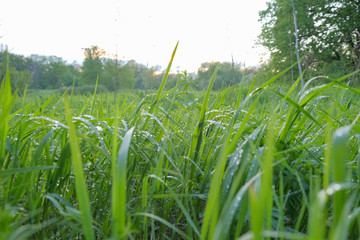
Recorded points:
(143, 30)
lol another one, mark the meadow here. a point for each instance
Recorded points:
(246, 162)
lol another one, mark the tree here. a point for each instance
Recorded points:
(327, 29)
(56, 73)
(36, 65)
(16, 66)
(21, 79)
(226, 75)
(144, 76)
(50, 72)
(117, 75)
(339, 25)
(92, 65)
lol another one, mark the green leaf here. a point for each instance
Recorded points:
(119, 186)
(197, 135)
(80, 183)
(11, 171)
(297, 106)
(168, 224)
(338, 161)
(162, 85)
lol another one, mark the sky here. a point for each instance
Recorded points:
(143, 30)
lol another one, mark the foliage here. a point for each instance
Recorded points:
(145, 78)
(328, 31)
(92, 66)
(56, 74)
(20, 77)
(227, 74)
(117, 75)
(50, 72)
(160, 165)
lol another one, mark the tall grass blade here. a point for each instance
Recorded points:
(80, 183)
(6, 102)
(297, 106)
(162, 85)
(168, 224)
(94, 95)
(72, 90)
(266, 196)
(11, 171)
(271, 80)
(198, 132)
(119, 186)
(338, 161)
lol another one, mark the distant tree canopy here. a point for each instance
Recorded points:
(17, 69)
(227, 74)
(144, 76)
(92, 66)
(117, 75)
(43, 72)
(329, 34)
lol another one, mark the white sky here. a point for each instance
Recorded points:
(143, 30)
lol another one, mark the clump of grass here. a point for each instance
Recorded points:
(248, 162)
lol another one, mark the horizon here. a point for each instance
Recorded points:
(157, 68)
(138, 30)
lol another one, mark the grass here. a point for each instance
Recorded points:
(247, 162)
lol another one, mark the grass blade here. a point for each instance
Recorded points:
(168, 224)
(24, 170)
(80, 183)
(6, 101)
(94, 96)
(338, 161)
(119, 186)
(162, 85)
(197, 136)
(298, 107)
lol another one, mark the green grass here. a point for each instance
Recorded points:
(246, 162)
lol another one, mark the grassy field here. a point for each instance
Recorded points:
(247, 162)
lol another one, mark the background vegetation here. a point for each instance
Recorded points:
(229, 153)
(329, 45)
(41, 72)
(245, 162)
(329, 37)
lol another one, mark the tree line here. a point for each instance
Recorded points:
(327, 33)
(51, 72)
